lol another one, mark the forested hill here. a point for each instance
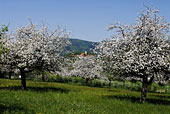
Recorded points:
(78, 45)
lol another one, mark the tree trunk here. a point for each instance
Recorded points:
(46, 77)
(109, 83)
(43, 77)
(23, 79)
(87, 80)
(10, 74)
(144, 90)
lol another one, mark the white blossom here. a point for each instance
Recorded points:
(141, 50)
(32, 48)
(29, 46)
(86, 67)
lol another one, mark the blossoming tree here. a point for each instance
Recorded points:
(86, 68)
(31, 48)
(3, 33)
(140, 51)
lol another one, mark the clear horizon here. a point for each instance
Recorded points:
(85, 19)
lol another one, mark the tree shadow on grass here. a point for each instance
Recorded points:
(13, 109)
(137, 100)
(36, 89)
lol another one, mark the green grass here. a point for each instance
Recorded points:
(60, 98)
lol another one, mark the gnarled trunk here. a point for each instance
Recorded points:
(144, 90)
(23, 78)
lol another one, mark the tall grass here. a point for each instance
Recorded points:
(60, 98)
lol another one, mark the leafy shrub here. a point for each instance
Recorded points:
(55, 78)
(154, 87)
(95, 83)
(77, 80)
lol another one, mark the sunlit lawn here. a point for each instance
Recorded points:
(57, 98)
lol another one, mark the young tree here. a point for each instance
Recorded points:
(139, 51)
(86, 68)
(31, 48)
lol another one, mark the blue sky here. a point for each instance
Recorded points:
(85, 19)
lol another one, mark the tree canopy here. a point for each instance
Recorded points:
(31, 48)
(139, 51)
(87, 68)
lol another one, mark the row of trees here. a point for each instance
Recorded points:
(139, 51)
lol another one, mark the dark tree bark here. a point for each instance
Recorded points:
(23, 79)
(144, 90)
(43, 77)
(10, 74)
(46, 77)
(109, 85)
(2, 75)
(87, 80)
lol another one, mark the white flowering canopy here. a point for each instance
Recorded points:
(141, 50)
(30, 47)
(86, 67)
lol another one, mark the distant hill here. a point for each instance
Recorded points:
(78, 45)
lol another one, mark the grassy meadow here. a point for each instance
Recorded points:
(61, 98)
